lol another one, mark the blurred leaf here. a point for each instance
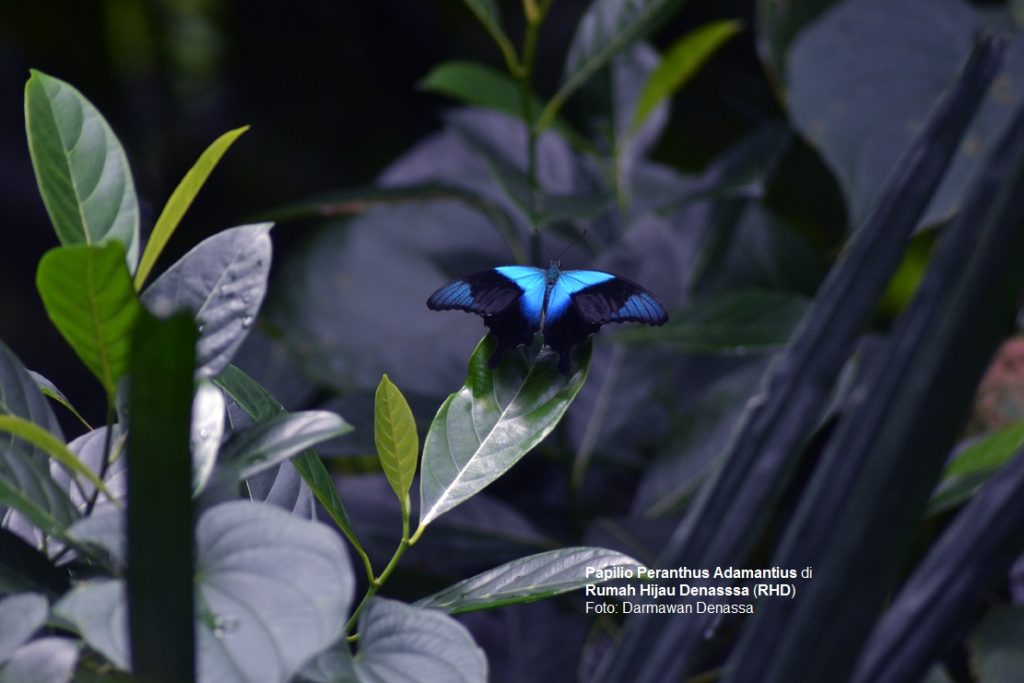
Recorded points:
(1017, 10)
(257, 567)
(222, 280)
(974, 466)
(904, 283)
(274, 439)
(88, 295)
(20, 615)
(53, 446)
(607, 28)
(104, 529)
(80, 167)
(530, 578)
(488, 15)
(996, 655)
(680, 63)
(398, 445)
(483, 430)
(180, 200)
(260, 405)
(778, 23)
(399, 643)
(862, 79)
(207, 429)
(745, 321)
(23, 568)
(161, 598)
(50, 389)
(46, 660)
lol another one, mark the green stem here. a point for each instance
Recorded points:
(105, 461)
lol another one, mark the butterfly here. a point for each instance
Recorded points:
(570, 305)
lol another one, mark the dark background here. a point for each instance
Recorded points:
(328, 87)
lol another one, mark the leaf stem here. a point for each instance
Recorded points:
(105, 460)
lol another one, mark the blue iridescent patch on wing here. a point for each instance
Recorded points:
(641, 307)
(533, 282)
(456, 294)
(567, 284)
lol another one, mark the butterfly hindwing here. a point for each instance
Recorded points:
(581, 301)
(510, 299)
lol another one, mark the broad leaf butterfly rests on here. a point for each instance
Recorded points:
(570, 305)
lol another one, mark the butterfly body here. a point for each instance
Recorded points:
(569, 305)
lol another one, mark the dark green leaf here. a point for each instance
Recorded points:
(394, 433)
(24, 568)
(160, 580)
(26, 486)
(181, 199)
(275, 439)
(89, 296)
(480, 85)
(531, 578)
(484, 429)
(257, 567)
(751, 321)
(50, 389)
(20, 615)
(20, 396)
(222, 280)
(403, 644)
(80, 167)
(488, 15)
(46, 660)
(974, 466)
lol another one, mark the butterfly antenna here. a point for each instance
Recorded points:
(540, 240)
(572, 244)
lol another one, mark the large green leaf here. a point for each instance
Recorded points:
(394, 433)
(481, 431)
(272, 591)
(20, 615)
(531, 578)
(89, 296)
(181, 199)
(403, 644)
(607, 28)
(80, 167)
(160, 517)
(973, 466)
(222, 280)
(680, 63)
(747, 321)
(275, 439)
(862, 78)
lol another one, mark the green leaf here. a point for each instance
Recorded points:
(19, 395)
(53, 446)
(607, 28)
(44, 660)
(88, 295)
(80, 167)
(274, 439)
(26, 486)
(50, 389)
(994, 646)
(20, 615)
(394, 433)
(260, 405)
(481, 431)
(479, 85)
(681, 62)
(160, 517)
(974, 466)
(272, 591)
(222, 280)
(748, 321)
(403, 644)
(531, 578)
(181, 199)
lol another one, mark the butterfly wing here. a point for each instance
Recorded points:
(581, 301)
(510, 300)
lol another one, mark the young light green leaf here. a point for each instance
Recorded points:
(50, 389)
(682, 61)
(399, 642)
(607, 28)
(222, 280)
(80, 167)
(88, 295)
(275, 439)
(481, 431)
(973, 466)
(180, 200)
(47, 442)
(531, 578)
(394, 433)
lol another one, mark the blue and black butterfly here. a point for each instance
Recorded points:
(517, 301)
